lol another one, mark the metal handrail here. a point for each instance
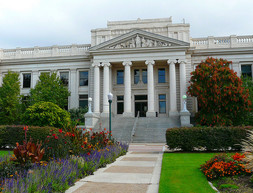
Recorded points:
(134, 127)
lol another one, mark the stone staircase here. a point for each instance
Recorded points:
(148, 130)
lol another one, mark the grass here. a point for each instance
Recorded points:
(3, 152)
(181, 174)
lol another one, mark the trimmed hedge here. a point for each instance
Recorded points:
(10, 134)
(206, 138)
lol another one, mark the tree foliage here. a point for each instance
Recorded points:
(46, 114)
(49, 88)
(10, 99)
(222, 99)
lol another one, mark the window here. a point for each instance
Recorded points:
(64, 76)
(144, 76)
(120, 104)
(83, 101)
(162, 103)
(136, 76)
(27, 80)
(246, 70)
(120, 76)
(161, 75)
(83, 78)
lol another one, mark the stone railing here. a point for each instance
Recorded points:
(36, 52)
(222, 42)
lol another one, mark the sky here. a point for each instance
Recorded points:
(29, 23)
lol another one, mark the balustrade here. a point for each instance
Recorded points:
(44, 51)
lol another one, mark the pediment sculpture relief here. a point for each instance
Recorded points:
(140, 42)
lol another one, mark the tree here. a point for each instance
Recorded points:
(222, 99)
(10, 99)
(49, 88)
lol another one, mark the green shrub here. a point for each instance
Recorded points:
(9, 135)
(77, 115)
(46, 114)
(206, 138)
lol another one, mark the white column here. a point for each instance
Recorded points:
(96, 96)
(35, 78)
(127, 95)
(182, 82)
(151, 93)
(106, 89)
(74, 102)
(173, 92)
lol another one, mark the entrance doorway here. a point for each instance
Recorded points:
(141, 105)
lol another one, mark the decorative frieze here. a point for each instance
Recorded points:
(140, 41)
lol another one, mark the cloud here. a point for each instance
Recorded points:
(28, 23)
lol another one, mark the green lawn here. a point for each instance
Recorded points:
(181, 174)
(2, 153)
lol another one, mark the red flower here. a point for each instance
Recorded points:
(105, 129)
(73, 135)
(85, 143)
(89, 146)
(81, 146)
(65, 142)
(60, 130)
(55, 137)
(88, 153)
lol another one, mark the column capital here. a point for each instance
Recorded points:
(171, 62)
(182, 62)
(149, 62)
(95, 64)
(127, 63)
(106, 64)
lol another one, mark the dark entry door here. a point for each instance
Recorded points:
(142, 107)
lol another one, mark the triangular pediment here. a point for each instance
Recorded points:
(139, 39)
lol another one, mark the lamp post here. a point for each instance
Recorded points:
(185, 108)
(89, 105)
(110, 97)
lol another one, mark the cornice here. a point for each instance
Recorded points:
(221, 51)
(63, 59)
(139, 50)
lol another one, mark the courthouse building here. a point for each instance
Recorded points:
(144, 63)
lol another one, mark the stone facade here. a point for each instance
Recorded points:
(146, 64)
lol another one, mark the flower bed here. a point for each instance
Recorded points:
(58, 175)
(228, 172)
(55, 164)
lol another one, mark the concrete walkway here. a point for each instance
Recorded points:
(136, 172)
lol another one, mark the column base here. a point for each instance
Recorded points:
(104, 114)
(173, 114)
(128, 114)
(185, 119)
(150, 114)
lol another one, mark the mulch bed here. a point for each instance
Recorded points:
(236, 184)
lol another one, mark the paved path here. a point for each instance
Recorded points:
(136, 172)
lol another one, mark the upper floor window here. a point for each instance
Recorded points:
(64, 76)
(83, 78)
(161, 75)
(27, 80)
(246, 70)
(144, 76)
(136, 76)
(120, 76)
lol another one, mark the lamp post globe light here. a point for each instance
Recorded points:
(110, 97)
